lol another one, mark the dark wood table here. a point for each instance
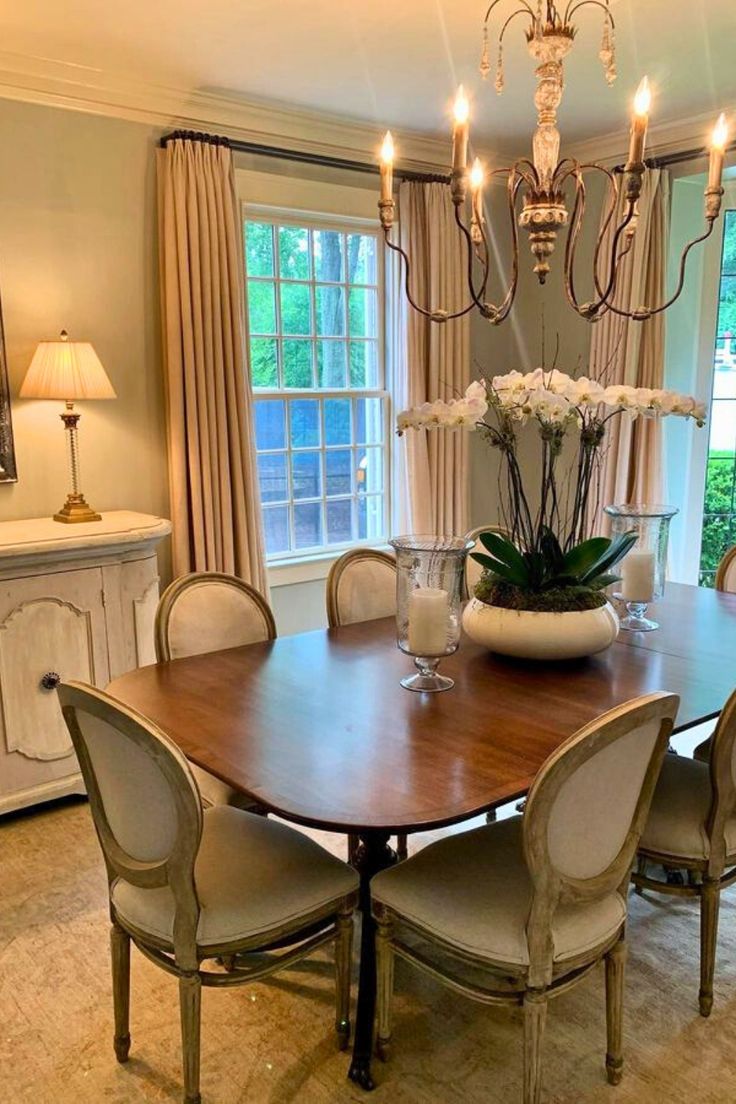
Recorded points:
(317, 728)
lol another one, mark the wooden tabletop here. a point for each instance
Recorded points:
(317, 728)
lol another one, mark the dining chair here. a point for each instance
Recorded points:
(692, 827)
(209, 611)
(361, 586)
(725, 581)
(187, 885)
(534, 902)
(473, 570)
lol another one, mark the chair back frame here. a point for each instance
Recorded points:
(176, 870)
(180, 586)
(345, 562)
(727, 562)
(551, 887)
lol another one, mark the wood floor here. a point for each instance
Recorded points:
(272, 1044)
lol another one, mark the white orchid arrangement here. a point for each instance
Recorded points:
(549, 561)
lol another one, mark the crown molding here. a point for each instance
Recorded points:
(610, 149)
(90, 90)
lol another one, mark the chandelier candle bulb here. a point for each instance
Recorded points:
(717, 150)
(387, 168)
(477, 178)
(460, 132)
(429, 618)
(637, 577)
(640, 121)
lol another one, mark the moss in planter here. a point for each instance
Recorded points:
(496, 592)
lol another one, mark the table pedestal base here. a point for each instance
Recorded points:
(373, 855)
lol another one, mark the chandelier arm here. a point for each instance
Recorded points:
(513, 187)
(432, 315)
(641, 314)
(522, 166)
(477, 301)
(494, 3)
(519, 11)
(578, 209)
(570, 10)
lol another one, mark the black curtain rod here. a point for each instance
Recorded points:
(301, 156)
(677, 157)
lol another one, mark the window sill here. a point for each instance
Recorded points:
(307, 569)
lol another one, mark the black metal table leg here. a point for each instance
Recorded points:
(373, 854)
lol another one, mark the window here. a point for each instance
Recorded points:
(719, 512)
(316, 360)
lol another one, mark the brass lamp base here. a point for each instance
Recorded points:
(76, 509)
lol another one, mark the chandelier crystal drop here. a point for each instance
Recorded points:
(546, 194)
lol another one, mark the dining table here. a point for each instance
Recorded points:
(316, 727)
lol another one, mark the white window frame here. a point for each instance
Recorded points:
(322, 555)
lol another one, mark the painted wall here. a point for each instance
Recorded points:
(78, 251)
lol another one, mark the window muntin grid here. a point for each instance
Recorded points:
(719, 513)
(315, 294)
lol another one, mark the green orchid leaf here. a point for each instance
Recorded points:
(618, 548)
(503, 550)
(583, 557)
(503, 570)
(553, 554)
(602, 581)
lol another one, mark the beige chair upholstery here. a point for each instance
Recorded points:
(187, 885)
(726, 582)
(534, 902)
(692, 827)
(209, 612)
(473, 570)
(361, 586)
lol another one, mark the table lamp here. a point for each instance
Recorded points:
(68, 370)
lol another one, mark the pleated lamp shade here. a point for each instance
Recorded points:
(66, 370)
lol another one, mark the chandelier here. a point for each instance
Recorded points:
(552, 189)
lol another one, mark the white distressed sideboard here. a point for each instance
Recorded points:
(76, 602)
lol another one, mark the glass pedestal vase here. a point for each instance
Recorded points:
(429, 594)
(644, 567)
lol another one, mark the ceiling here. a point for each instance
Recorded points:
(390, 62)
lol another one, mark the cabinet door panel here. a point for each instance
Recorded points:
(49, 624)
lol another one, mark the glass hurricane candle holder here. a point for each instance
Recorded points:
(644, 567)
(429, 594)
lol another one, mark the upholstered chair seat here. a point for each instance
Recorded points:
(519, 911)
(473, 891)
(677, 824)
(253, 877)
(208, 611)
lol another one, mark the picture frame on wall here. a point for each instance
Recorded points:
(8, 471)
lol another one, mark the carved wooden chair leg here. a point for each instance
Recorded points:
(535, 1016)
(343, 965)
(710, 900)
(615, 974)
(641, 868)
(120, 956)
(402, 847)
(190, 1002)
(385, 986)
(491, 816)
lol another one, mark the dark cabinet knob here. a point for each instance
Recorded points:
(50, 680)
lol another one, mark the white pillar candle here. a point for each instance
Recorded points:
(637, 575)
(429, 621)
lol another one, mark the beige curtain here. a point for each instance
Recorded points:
(214, 491)
(436, 364)
(629, 352)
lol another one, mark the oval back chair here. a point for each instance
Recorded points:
(725, 581)
(536, 900)
(692, 827)
(208, 611)
(361, 586)
(188, 886)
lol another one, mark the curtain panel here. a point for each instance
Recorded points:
(215, 503)
(430, 362)
(629, 352)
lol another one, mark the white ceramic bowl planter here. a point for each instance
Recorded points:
(529, 635)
